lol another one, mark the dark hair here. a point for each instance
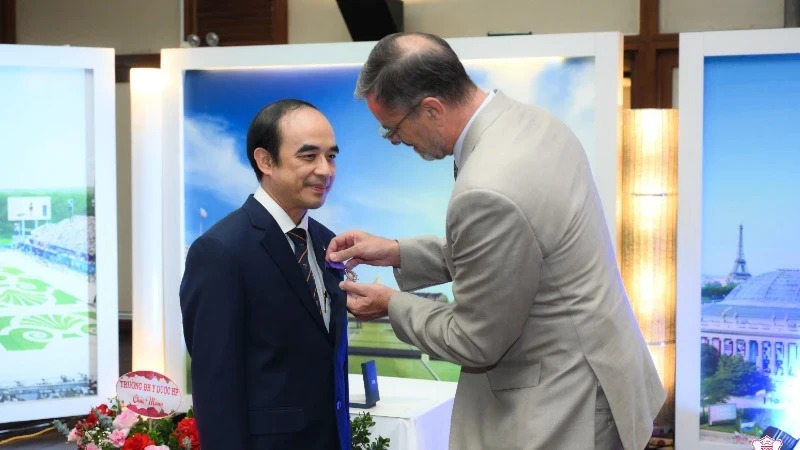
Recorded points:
(265, 130)
(400, 77)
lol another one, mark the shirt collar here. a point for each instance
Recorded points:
(460, 141)
(276, 211)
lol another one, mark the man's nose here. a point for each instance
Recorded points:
(324, 167)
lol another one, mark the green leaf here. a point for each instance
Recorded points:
(360, 434)
(61, 427)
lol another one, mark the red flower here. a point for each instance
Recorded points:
(80, 427)
(187, 424)
(187, 428)
(91, 420)
(137, 442)
(106, 410)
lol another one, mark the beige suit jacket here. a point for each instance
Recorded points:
(540, 317)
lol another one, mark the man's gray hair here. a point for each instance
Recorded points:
(400, 77)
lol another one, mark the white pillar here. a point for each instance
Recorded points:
(146, 199)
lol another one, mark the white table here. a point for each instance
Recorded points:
(414, 414)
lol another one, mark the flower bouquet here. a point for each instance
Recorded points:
(114, 427)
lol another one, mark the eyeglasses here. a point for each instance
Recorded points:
(391, 132)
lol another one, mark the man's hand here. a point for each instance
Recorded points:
(363, 248)
(367, 301)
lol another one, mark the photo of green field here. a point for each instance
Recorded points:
(47, 296)
(375, 340)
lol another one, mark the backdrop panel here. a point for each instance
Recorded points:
(211, 95)
(58, 244)
(738, 314)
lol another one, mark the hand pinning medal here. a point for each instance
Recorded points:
(351, 275)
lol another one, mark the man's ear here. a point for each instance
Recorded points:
(264, 160)
(433, 108)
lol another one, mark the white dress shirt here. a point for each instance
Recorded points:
(286, 224)
(460, 142)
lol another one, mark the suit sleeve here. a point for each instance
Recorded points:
(426, 267)
(497, 261)
(212, 304)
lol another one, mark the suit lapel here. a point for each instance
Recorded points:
(277, 246)
(496, 106)
(337, 297)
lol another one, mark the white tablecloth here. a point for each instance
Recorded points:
(414, 414)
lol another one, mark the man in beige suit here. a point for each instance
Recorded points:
(550, 351)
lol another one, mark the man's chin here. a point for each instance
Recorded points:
(315, 203)
(426, 155)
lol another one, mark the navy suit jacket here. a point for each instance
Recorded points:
(266, 374)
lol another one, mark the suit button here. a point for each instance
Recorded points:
(338, 405)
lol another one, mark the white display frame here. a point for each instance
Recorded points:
(101, 62)
(605, 48)
(695, 47)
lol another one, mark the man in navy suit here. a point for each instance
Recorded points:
(263, 317)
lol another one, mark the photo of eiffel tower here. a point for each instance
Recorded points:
(739, 272)
(749, 306)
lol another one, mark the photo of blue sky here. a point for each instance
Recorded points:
(380, 188)
(751, 162)
(43, 125)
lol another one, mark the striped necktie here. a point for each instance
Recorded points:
(300, 239)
